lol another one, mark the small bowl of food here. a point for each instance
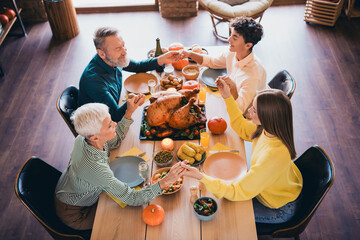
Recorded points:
(163, 158)
(191, 72)
(172, 188)
(171, 81)
(205, 208)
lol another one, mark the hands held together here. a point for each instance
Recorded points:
(178, 170)
(226, 87)
(133, 102)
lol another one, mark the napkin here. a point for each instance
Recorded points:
(219, 147)
(147, 96)
(216, 93)
(133, 151)
(120, 202)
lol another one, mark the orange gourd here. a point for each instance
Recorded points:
(176, 46)
(180, 64)
(153, 215)
(217, 125)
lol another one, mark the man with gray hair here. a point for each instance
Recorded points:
(101, 80)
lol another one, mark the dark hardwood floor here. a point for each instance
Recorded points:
(325, 62)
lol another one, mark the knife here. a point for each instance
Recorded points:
(235, 151)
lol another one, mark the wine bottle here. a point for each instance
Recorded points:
(158, 52)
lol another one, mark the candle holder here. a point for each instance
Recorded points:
(167, 144)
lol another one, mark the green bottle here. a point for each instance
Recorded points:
(158, 52)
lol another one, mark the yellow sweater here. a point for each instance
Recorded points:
(273, 178)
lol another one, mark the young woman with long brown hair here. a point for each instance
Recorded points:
(273, 180)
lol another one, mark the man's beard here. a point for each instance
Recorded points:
(119, 63)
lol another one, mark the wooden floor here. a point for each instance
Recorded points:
(325, 62)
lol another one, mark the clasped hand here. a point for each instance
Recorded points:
(133, 102)
(169, 57)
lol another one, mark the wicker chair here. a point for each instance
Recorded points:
(221, 12)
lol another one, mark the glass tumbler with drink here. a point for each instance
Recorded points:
(204, 138)
(152, 86)
(202, 96)
(144, 172)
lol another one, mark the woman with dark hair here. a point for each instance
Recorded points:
(273, 180)
(245, 72)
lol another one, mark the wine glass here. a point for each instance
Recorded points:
(144, 172)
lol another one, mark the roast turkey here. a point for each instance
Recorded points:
(175, 110)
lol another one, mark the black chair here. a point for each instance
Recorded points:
(66, 104)
(35, 186)
(318, 177)
(284, 81)
(2, 72)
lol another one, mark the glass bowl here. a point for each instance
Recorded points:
(163, 158)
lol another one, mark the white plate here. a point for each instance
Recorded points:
(126, 169)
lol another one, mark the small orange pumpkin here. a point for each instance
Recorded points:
(217, 125)
(153, 215)
(178, 65)
(176, 46)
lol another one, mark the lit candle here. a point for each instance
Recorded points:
(167, 144)
(171, 89)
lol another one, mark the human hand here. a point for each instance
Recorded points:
(191, 171)
(174, 174)
(223, 87)
(141, 100)
(133, 103)
(228, 81)
(184, 54)
(169, 57)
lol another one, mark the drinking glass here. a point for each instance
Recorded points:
(152, 86)
(202, 96)
(144, 172)
(204, 138)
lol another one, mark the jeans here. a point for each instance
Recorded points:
(271, 215)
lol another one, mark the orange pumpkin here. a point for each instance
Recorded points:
(176, 46)
(153, 215)
(180, 64)
(217, 125)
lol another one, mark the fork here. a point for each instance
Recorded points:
(141, 154)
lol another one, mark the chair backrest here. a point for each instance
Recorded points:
(66, 104)
(318, 175)
(35, 187)
(285, 82)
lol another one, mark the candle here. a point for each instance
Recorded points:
(167, 144)
(171, 89)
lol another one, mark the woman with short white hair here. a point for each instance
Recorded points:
(88, 173)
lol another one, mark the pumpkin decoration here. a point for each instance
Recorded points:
(153, 215)
(176, 46)
(217, 125)
(181, 63)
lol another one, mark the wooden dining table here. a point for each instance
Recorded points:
(234, 219)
